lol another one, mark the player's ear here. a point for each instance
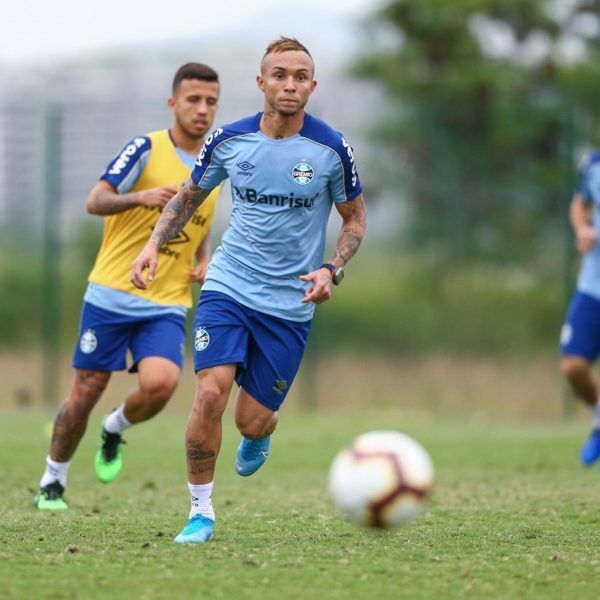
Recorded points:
(260, 82)
(171, 102)
(313, 86)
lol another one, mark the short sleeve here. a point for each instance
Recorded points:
(124, 170)
(209, 170)
(345, 183)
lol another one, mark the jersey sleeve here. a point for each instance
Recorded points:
(124, 170)
(345, 183)
(209, 170)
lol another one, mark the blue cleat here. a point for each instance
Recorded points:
(251, 455)
(590, 452)
(198, 529)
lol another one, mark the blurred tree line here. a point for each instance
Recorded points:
(488, 104)
(481, 95)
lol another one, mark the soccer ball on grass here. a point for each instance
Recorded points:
(381, 479)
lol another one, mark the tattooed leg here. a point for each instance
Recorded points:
(72, 418)
(203, 435)
(199, 457)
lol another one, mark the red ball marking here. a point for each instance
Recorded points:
(401, 488)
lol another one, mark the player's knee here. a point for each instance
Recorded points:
(159, 390)
(574, 367)
(255, 428)
(87, 389)
(209, 402)
(251, 431)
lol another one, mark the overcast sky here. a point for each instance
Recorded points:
(33, 31)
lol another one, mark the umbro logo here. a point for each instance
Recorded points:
(280, 386)
(246, 168)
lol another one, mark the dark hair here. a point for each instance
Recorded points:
(194, 71)
(285, 44)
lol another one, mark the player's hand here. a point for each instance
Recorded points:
(156, 197)
(585, 238)
(147, 259)
(199, 272)
(322, 286)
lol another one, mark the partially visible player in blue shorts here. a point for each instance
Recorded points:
(580, 335)
(287, 169)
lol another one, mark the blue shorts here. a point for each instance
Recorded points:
(267, 349)
(580, 335)
(105, 337)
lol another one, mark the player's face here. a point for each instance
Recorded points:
(194, 105)
(287, 81)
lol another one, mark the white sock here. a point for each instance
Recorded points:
(201, 500)
(595, 410)
(55, 471)
(116, 422)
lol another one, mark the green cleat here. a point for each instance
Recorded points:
(109, 458)
(50, 497)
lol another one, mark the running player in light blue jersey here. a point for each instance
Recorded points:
(287, 169)
(580, 336)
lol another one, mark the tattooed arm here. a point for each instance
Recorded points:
(175, 215)
(354, 223)
(104, 199)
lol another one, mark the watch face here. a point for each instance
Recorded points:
(338, 275)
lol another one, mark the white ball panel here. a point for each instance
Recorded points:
(365, 474)
(356, 484)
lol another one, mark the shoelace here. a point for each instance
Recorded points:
(53, 491)
(254, 450)
(110, 445)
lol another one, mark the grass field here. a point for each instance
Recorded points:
(512, 516)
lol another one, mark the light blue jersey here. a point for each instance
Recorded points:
(589, 188)
(282, 192)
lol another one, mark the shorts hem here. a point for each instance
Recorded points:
(134, 367)
(219, 363)
(99, 368)
(274, 406)
(589, 356)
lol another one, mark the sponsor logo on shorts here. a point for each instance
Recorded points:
(566, 334)
(88, 342)
(303, 173)
(201, 339)
(280, 386)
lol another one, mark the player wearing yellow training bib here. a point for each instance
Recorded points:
(116, 316)
(151, 161)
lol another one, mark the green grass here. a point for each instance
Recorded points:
(512, 516)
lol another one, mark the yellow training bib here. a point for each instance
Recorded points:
(126, 233)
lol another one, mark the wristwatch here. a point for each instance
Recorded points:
(337, 273)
